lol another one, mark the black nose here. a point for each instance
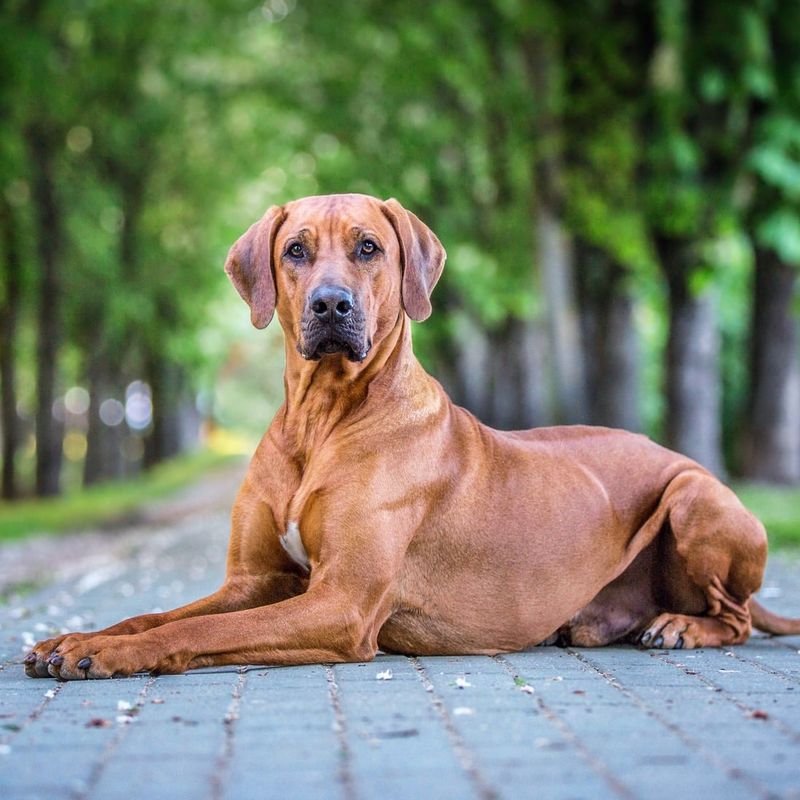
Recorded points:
(331, 303)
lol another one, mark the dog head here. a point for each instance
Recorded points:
(339, 269)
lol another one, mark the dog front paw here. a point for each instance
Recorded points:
(36, 663)
(101, 657)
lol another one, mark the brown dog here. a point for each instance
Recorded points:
(377, 514)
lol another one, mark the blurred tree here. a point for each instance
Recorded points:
(42, 81)
(116, 110)
(125, 124)
(11, 276)
(542, 49)
(604, 85)
(705, 70)
(9, 316)
(771, 430)
(43, 142)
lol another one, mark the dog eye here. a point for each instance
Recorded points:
(367, 248)
(296, 250)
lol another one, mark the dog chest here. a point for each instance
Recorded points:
(293, 545)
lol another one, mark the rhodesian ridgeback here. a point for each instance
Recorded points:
(377, 514)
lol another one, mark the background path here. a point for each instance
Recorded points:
(550, 723)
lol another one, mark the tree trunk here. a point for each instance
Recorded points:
(554, 255)
(49, 238)
(104, 452)
(515, 369)
(173, 430)
(497, 376)
(464, 365)
(693, 370)
(611, 351)
(104, 459)
(618, 384)
(771, 441)
(553, 249)
(9, 422)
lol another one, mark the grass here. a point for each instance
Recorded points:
(107, 502)
(778, 508)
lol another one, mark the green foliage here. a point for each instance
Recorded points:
(774, 159)
(780, 230)
(778, 508)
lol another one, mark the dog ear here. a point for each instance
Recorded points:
(422, 257)
(250, 268)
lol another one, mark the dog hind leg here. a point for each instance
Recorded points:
(618, 609)
(713, 560)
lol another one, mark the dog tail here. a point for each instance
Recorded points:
(768, 622)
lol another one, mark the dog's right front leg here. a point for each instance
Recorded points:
(258, 573)
(236, 594)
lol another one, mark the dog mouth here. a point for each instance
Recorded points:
(343, 337)
(314, 348)
(331, 347)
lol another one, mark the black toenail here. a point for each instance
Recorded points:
(30, 658)
(85, 663)
(646, 637)
(56, 660)
(679, 643)
(658, 641)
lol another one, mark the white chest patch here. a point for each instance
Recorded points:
(293, 545)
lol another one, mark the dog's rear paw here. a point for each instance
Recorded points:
(669, 632)
(677, 631)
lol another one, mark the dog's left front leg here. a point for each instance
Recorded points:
(324, 624)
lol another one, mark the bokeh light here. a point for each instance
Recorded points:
(75, 445)
(76, 400)
(112, 412)
(138, 406)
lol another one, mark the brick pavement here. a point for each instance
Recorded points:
(549, 723)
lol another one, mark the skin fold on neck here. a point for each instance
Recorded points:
(341, 388)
